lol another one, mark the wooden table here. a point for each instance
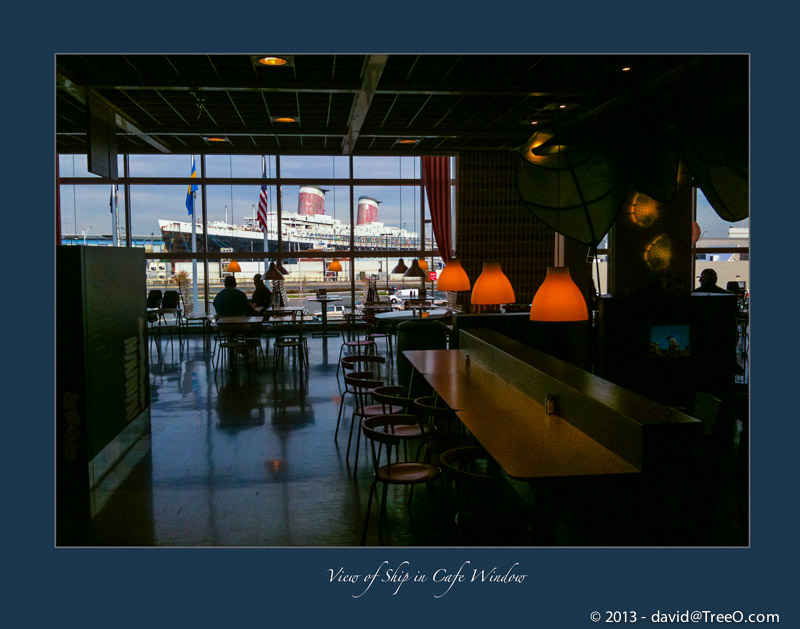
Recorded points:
(528, 443)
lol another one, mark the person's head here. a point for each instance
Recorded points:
(708, 277)
(256, 278)
(230, 281)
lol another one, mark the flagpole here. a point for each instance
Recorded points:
(114, 240)
(266, 230)
(195, 301)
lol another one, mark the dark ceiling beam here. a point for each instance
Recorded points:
(317, 88)
(82, 94)
(373, 68)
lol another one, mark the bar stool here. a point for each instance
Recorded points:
(361, 347)
(450, 432)
(362, 388)
(397, 396)
(386, 432)
(364, 366)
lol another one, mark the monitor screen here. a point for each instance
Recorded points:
(669, 340)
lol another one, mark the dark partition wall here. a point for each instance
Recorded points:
(102, 383)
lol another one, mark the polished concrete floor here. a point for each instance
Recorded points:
(249, 459)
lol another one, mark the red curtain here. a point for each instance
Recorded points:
(436, 179)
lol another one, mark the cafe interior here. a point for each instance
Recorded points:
(538, 407)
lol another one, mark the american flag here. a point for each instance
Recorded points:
(262, 199)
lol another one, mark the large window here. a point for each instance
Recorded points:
(367, 212)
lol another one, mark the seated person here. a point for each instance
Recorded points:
(231, 302)
(262, 297)
(708, 283)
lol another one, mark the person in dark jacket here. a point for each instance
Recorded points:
(708, 283)
(231, 302)
(262, 297)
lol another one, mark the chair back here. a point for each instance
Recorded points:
(380, 430)
(154, 299)
(362, 362)
(389, 396)
(171, 299)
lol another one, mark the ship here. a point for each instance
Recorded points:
(307, 229)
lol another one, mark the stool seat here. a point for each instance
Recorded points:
(407, 473)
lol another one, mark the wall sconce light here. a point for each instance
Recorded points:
(558, 298)
(233, 267)
(492, 288)
(453, 277)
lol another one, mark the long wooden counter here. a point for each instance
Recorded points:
(646, 434)
(513, 427)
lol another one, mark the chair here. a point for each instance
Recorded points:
(230, 347)
(154, 299)
(295, 343)
(188, 317)
(362, 387)
(368, 364)
(449, 433)
(396, 396)
(479, 510)
(358, 345)
(384, 432)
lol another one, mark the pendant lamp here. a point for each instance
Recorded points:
(335, 266)
(281, 269)
(400, 268)
(453, 277)
(492, 288)
(558, 298)
(415, 270)
(233, 267)
(422, 264)
(273, 273)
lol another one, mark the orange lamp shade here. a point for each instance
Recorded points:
(558, 298)
(492, 287)
(453, 277)
(233, 267)
(422, 264)
(695, 232)
(335, 266)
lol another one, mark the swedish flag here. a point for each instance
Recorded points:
(191, 191)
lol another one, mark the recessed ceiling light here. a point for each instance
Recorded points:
(407, 141)
(272, 61)
(216, 139)
(534, 122)
(562, 106)
(284, 119)
(626, 69)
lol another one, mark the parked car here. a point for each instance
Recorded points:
(334, 312)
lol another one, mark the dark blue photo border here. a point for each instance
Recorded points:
(201, 588)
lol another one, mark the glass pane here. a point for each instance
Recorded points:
(386, 167)
(238, 166)
(154, 207)
(293, 166)
(387, 217)
(87, 217)
(163, 165)
(730, 266)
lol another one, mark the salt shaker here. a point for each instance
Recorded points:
(466, 362)
(549, 404)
